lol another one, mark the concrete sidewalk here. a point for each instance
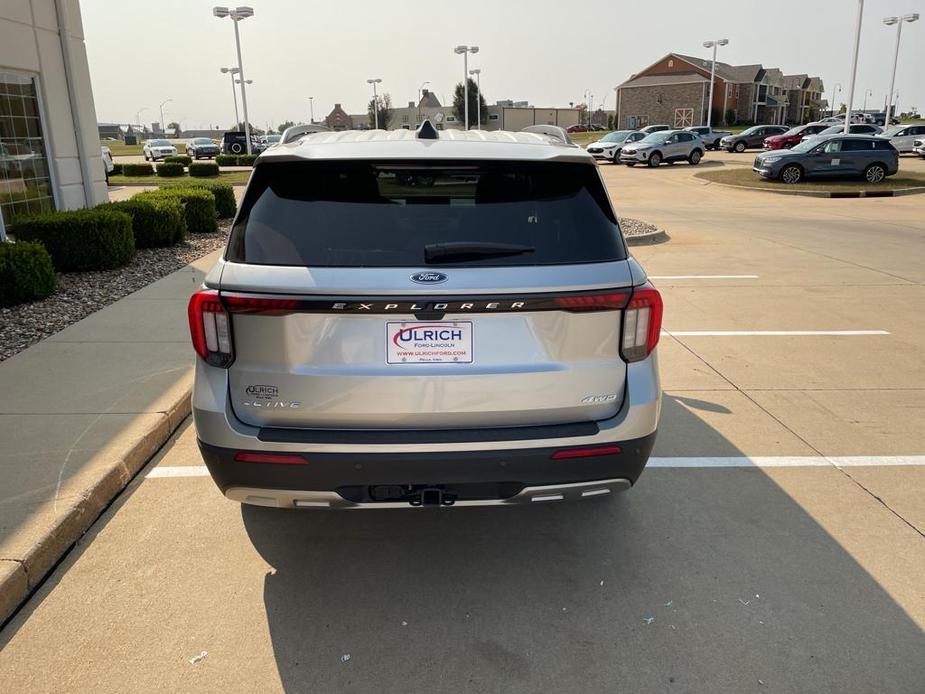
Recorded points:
(82, 412)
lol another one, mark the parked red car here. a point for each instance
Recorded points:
(793, 136)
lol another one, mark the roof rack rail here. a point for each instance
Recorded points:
(550, 130)
(296, 131)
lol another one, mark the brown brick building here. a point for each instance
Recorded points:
(675, 90)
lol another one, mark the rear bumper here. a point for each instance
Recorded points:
(485, 477)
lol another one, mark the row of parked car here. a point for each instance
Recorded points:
(233, 142)
(791, 154)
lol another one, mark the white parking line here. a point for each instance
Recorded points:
(703, 277)
(687, 462)
(771, 333)
(179, 471)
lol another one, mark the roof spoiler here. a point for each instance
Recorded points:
(550, 130)
(297, 131)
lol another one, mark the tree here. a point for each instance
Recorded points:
(282, 126)
(174, 126)
(582, 112)
(382, 103)
(730, 117)
(478, 110)
(842, 108)
(610, 121)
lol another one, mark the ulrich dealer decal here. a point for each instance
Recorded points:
(429, 343)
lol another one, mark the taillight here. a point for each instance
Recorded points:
(610, 301)
(567, 453)
(210, 328)
(270, 458)
(642, 323)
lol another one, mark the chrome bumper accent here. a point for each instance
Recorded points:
(284, 498)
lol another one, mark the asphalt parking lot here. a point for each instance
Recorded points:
(775, 544)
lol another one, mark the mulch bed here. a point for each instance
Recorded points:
(78, 294)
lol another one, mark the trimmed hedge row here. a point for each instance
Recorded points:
(235, 159)
(198, 206)
(203, 169)
(154, 222)
(116, 170)
(169, 170)
(89, 239)
(26, 273)
(225, 204)
(179, 159)
(137, 170)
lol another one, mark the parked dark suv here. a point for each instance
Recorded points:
(872, 158)
(235, 142)
(751, 138)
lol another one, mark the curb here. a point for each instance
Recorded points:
(660, 236)
(21, 576)
(899, 192)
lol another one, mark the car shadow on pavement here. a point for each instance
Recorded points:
(696, 580)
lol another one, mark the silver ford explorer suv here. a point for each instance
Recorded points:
(424, 318)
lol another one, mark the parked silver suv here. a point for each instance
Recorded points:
(664, 146)
(425, 319)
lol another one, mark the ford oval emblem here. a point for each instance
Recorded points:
(428, 277)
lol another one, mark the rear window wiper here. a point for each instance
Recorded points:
(466, 250)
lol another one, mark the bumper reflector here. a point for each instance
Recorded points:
(585, 452)
(274, 458)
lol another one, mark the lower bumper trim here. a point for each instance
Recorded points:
(284, 498)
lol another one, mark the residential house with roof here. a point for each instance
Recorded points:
(675, 90)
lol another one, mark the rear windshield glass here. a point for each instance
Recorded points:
(364, 214)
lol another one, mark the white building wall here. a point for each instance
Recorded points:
(30, 44)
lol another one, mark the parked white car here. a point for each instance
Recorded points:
(919, 148)
(903, 137)
(158, 149)
(108, 164)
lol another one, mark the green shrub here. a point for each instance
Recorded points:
(26, 273)
(246, 159)
(225, 204)
(178, 159)
(154, 222)
(201, 169)
(93, 239)
(169, 170)
(116, 170)
(198, 206)
(226, 160)
(137, 170)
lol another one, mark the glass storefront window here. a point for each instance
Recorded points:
(25, 181)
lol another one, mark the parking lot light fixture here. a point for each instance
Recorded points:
(714, 44)
(163, 127)
(311, 109)
(374, 81)
(236, 15)
(464, 51)
(232, 71)
(854, 65)
(898, 21)
(478, 97)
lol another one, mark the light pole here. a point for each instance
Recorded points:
(234, 92)
(714, 44)
(311, 109)
(374, 82)
(854, 65)
(236, 15)
(163, 127)
(478, 97)
(898, 21)
(465, 51)
(867, 93)
(138, 116)
(589, 98)
(836, 90)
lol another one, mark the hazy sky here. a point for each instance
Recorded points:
(547, 52)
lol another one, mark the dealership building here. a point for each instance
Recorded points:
(676, 90)
(49, 147)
